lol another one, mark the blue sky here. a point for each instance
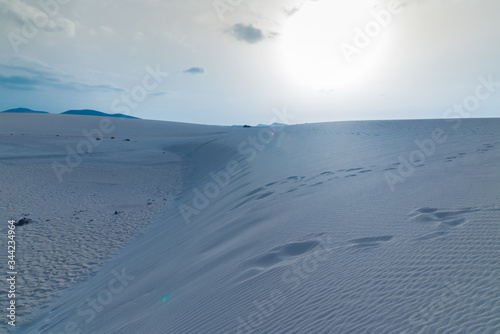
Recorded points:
(235, 61)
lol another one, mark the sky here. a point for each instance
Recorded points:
(246, 61)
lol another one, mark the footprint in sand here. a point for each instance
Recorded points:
(439, 219)
(394, 166)
(275, 257)
(485, 148)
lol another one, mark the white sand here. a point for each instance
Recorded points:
(305, 237)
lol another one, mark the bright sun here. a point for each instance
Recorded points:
(311, 46)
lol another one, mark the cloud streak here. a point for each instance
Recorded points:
(34, 76)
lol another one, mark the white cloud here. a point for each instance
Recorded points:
(26, 15)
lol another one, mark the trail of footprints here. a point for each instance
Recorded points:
(485, 148)
(297, 254)
(439, 221)
(480, 150)
(450, 159)
(293, 183)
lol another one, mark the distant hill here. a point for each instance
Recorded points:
(86, 112)
(25, 110)
(89, 112)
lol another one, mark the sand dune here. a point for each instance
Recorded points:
(354, 227)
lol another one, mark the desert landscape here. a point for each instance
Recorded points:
(375, 226)
(250, 167)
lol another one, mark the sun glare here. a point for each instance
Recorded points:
(311, 47)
